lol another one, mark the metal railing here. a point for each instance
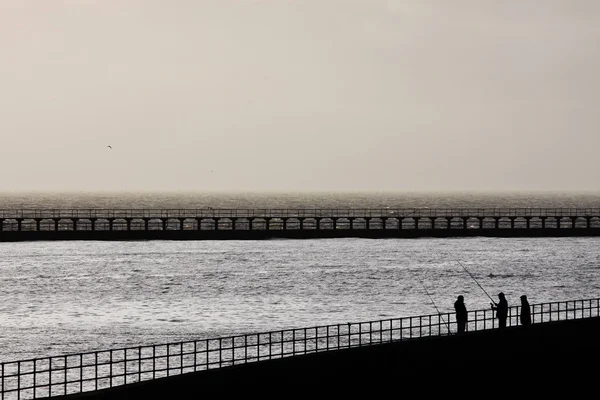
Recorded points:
(83, 372)
(300, 212)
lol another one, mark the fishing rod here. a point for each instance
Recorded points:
(430, 298)
(471, 275)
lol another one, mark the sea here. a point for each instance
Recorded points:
(68, 297)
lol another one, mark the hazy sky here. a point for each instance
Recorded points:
(299, 95)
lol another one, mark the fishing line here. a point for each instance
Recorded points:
(430, 298)
(471, 275)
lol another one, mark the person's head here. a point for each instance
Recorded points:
(523, 299)
(461, 299)
(501, 295)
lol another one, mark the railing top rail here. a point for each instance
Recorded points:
(305, 212)
(423, 317)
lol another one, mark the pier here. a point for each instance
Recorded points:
(222, 224)
(552, 352)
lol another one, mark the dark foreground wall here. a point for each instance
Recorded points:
(544, 359)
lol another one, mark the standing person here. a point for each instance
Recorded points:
(525, 311)
(461, 314)
(501, 310)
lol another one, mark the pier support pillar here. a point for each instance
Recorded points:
(400, 221)
(543, 222)
(216, 223)
(74, 221)
(181, 221)
(301, 223)
(146, 220)
(558, 222)
(111, 222)
(512, 222)
(448, 222)
(56, 220)
(588, 222)
(250, 222)
(573, 221)
(465, 220)
(199, 224)
(318, 223)
(351, 223)
(416, 219)
(496, 222)
(368, 222)
(334, 223)
(38, 222)
(19, 224)
(233, 221)
(267, 224)
(164, 223)
(93, 222)
(432, 219)
(480, 222)
(528, 221)
(1, 224)
(384, 220)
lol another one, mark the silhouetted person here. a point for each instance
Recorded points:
(461, 314)
(501, 310)
(525, 311)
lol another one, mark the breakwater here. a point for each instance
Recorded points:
(222, 224)
(366, 355)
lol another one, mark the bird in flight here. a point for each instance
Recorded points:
(110, 147)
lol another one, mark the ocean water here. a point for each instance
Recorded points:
(69, 297)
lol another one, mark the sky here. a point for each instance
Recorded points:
(304, 95)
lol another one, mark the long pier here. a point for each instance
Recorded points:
(204, 224)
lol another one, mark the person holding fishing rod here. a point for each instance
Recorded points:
(501, 309)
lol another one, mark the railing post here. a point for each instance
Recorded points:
(110, 373)
(401, 330)
(349, 335)
(359, 334)
(80, 372)
(96, 368)
(139, 363)
(195, 356)
(50, 377)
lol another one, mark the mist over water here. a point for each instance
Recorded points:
(68, 297)
(192, 200)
